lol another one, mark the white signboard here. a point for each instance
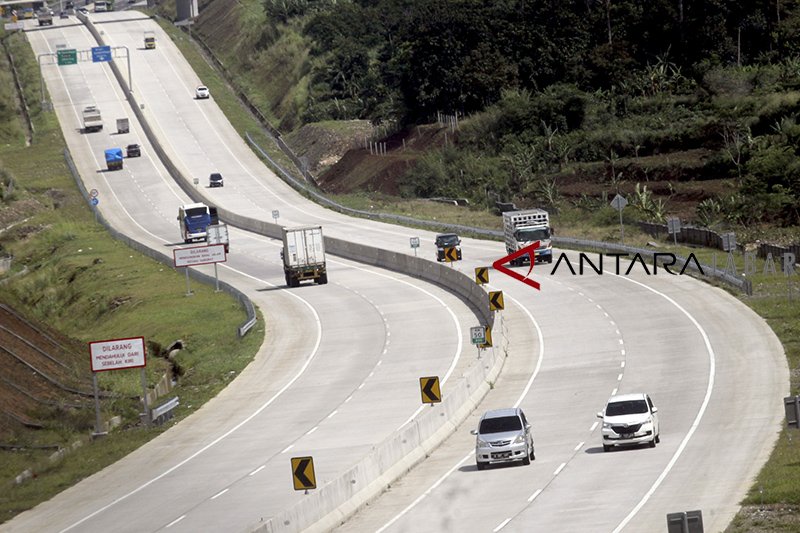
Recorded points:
(478, 334)
(117, 354)
(199, 255)
(414, 242)
(9, 26)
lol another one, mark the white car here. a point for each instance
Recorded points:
(630, 419)
(201, 92)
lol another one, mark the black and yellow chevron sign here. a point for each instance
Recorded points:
(482, 275)
(303, 473)
(488, 334)
(496, 301)
(450, 254)
(429, 388)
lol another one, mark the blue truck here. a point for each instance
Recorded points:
(194, 220)
(114, 158)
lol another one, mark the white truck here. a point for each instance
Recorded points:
(91, 119)
(45, 16)
(303, 255)
(523, 228)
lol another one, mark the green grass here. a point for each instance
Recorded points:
(91, 287)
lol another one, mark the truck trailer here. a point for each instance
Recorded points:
(303, 255)
(91, 119)
(523, 228)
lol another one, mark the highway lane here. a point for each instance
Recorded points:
(206, 129)
(573, 485)
(334, 354)
(200, 125)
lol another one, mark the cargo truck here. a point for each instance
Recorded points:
(149, 40)
(114, 159)
(45, 17)
(523, 228)
(91, 119)
(194, 220)
(303, 255)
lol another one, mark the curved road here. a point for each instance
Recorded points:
(714, 369)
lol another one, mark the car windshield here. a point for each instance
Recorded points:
(447, 240)
(532, 234)
(202, 89)
(500, 424)
(628, 407)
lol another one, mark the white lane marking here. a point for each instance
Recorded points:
(534, 495)
(621, 342)
(176, 521)
(424, 494)
(379, 362)
(695, 424)
(257, 470)
(622, 351)
(348, 398)
(613, 323)
(622, 364)
(559, 469)
(619, 377)
(579, 446)
(594, 426)
(371, 374)
(312, 430)
(606, 314)
(220, 493)
(502, 525)
(580, 293)
(289, 447)
(235, 428)
(333, 413)
(472, 453)
(614, 392)
(600, 307)
(618, 333)
(361, 386)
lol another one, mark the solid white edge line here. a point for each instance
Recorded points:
(698, 418)
(471, 454)
(502, 525)
(225, 435)
(175, 521)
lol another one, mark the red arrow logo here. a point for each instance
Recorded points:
(498, 265)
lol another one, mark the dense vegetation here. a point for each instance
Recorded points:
(545, 87)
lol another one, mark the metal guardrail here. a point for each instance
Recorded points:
(164, 412)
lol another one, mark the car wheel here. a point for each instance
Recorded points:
(658, 439)
(606, 448)
(653, 443)
(533, 455)
(527, 459)
(480, 465)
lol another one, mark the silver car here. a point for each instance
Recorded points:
(503, 435)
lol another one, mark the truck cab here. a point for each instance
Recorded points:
(194, 220)
(149, 40)
(523, 228)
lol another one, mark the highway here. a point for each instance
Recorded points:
(714, 369)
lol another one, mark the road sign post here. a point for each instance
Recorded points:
(430, 390)
(199, 255)
(496, 302)
(117, 354)
(275, 215)
(303, 476)
(414, 241)
(673, 227)
(619, 202)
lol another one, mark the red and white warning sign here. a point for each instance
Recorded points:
(117, 354)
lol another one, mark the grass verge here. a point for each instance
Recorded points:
(68, 273)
